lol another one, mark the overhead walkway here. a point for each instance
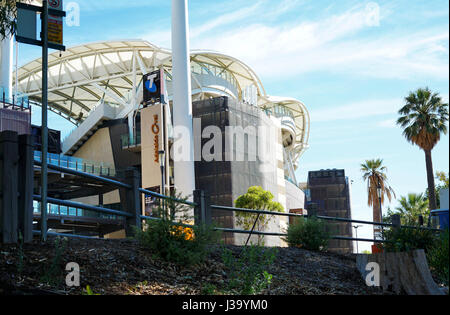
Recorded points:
(70, 187)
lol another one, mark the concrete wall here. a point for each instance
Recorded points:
(444, 198)
(98, 149)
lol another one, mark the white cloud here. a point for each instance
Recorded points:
(388, 123)
(357, 110)
(331, 44)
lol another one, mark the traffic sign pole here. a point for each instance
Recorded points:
(44, 131)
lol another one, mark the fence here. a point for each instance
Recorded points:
(17, 162)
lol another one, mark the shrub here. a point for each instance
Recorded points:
(407, 239)
(438, 258)
(256, 198)
(247, 274)
(169, 239)
(310, 234)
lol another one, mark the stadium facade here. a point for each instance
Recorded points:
(99, 87)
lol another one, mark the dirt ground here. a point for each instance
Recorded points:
(122, 267)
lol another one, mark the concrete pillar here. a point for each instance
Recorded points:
(182, 98)
(6, 66)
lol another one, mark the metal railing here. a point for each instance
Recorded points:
(132, 216)
(396, 224)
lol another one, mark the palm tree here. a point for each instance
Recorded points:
(412, 207)
(423, 119)
(375, 174)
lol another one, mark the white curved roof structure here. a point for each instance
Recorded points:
(88, 75)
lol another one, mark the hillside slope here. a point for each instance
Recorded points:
(122, 267)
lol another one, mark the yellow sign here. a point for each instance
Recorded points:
(55, 23)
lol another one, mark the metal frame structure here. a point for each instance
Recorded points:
(86, 76)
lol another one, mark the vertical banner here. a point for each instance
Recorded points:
(55, 23)
(154, 87)
(152, 135)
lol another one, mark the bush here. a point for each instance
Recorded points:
(438, 258)
(406, 239)
(169, 239)
(248, 274)
(310, 234)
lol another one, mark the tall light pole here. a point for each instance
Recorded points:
(356, 227)
(380, 196)
(182, 99)
(162, 160)
(6, 63)
(44, 131)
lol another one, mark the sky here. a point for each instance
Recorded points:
(351, 62)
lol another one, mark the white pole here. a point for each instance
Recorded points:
(6, 66)
(184, 172)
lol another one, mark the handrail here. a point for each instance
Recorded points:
(264, 212)
(72, 204)
(164, 197)
(86, 175)
(231, 209)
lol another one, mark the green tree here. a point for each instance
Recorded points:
(442, 178)
(411, 207)
(8, 13)
(423, 119)
(258, 199)
(375, 174)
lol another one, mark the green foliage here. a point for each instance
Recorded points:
(406, 239)
(53, 273)
(247, 274)
(169, 239)
(88, 291)
(424, 118)
(410, 209)
(438, 258)
(8, 13)
(209, 289)
(310, 234)
(256, 198)
(443, 183)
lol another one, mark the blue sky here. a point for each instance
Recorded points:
(351, 67)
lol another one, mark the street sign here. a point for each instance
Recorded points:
(55, 23)
(26, 28)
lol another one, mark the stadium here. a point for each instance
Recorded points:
(100, 88)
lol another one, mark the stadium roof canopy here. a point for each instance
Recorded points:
(84, 76)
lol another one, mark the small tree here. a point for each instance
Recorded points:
(258, 199)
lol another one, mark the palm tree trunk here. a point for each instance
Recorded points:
(430, 176)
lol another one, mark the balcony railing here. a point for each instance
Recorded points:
(130, 142)
(77, 164)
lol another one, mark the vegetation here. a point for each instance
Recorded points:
(258, 199)
(53, 273)
(248, 273)
(443, 182)
(310, 234)
(8, 12)
(423, 119)
(438, 258)
(375, 174)
(171, 240)
(406, 239)
(410, 209)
